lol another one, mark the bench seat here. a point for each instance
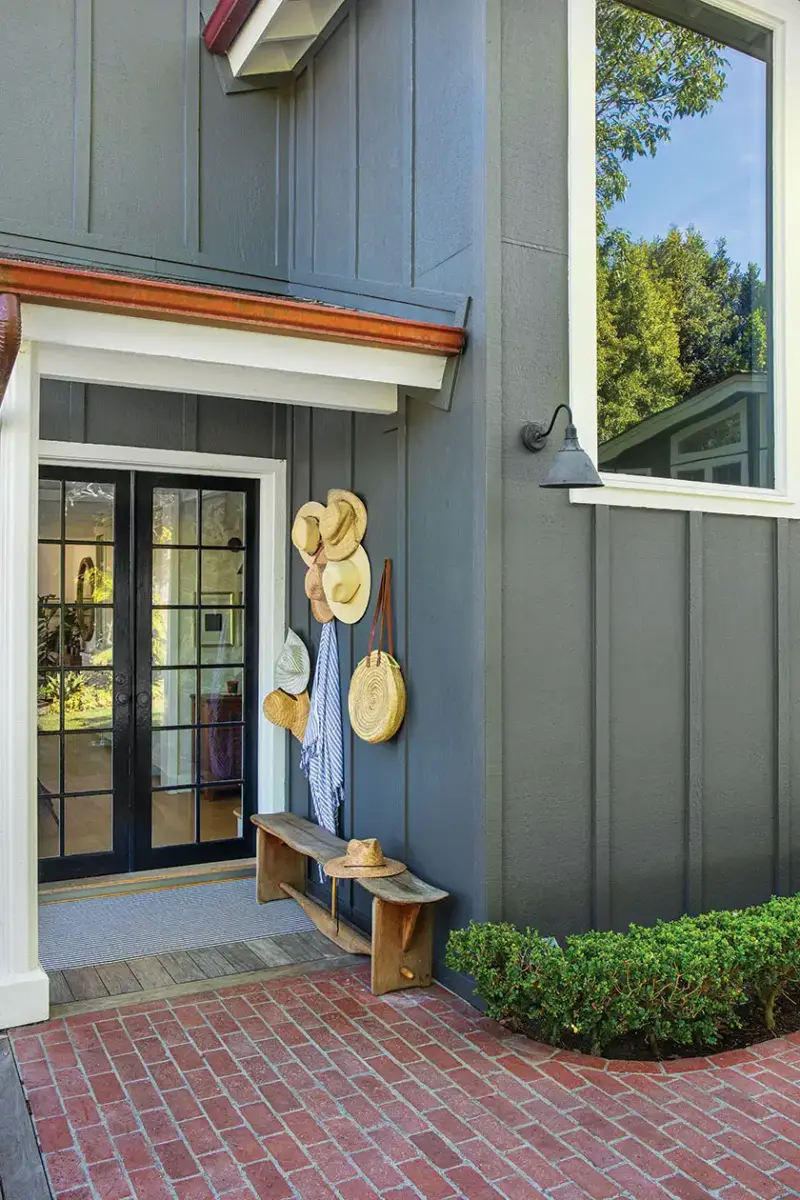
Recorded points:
(401, 947)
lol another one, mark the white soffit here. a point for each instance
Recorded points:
(277, 34)
(92, 347)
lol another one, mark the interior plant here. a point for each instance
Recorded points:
(56, 625)
(687, 982)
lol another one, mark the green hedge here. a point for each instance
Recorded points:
(686, 981)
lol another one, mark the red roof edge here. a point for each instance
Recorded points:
(225, 22)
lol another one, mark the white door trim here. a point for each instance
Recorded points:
(271, 474)
(66, 343)
(24, 986)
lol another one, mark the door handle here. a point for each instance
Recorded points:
(122, 698)
(143, 699)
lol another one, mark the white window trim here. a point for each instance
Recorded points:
(677, 459)
(706, 465)
(783, 18)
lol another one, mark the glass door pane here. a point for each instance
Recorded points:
(195, 698)
(84, 672)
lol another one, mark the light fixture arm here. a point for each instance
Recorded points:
(534, 434)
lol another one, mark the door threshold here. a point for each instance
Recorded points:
(146, 881)
(180, 991)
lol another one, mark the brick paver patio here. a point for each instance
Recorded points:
(311, 1087)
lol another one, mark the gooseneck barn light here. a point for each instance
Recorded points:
(572, 467)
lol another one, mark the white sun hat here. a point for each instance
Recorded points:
(293, 668)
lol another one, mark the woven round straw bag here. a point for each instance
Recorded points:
(377, 700)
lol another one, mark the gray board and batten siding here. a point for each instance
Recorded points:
(651, 667)
(603, 720)
(386, 199)
(126, 153)
(381, 182)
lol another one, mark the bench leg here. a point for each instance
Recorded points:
(277, 863)
(402, 946)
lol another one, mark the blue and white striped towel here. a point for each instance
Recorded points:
(322, 756)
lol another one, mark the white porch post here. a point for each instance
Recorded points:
(24, 986)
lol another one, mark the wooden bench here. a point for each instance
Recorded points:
(402, 907)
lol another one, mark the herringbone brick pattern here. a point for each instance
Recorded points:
(311, 1087)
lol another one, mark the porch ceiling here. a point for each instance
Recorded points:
(95, 327)
(266, 37)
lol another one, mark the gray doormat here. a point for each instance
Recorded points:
(82, 933)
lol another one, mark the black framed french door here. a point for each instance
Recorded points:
(84, 662)
(147, 660)
(196, 654)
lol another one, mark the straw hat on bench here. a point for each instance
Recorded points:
(364, 860)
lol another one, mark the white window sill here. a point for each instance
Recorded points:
(679, 495)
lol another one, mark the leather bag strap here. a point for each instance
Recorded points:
(382, 619)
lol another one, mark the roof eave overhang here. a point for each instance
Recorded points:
(239, 343)
(266, 37)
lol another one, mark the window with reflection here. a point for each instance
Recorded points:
(198, 664)
(683, 244)
(75, 702)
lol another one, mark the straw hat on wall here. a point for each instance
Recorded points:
(316, 592)
(293, 668)
(347, 586)
(288, 712)
(342, 524)
(306, 535)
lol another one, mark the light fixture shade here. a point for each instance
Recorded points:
(572, 467)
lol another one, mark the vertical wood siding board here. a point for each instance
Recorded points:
(355, 134)
(284, 181)
(601, 898)
(308, 494)
(191, 129)
(346, 651)
(783, 781)
(694, 714)
(348, 817)
(401, 589)
(334, 152)
(299, 485)
(739, 836)
(82, 145)
(313, 160)
(410, 147)
(292, 197)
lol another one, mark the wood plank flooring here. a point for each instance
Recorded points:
(213, 963)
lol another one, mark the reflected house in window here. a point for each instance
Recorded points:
(720, 435)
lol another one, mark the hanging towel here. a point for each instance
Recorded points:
(322, 756)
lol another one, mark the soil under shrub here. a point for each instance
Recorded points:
(637, 1049)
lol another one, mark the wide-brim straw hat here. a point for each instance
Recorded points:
(342, 524)
(293, 668)
(315, 591)
(288, 712)
(364, 860)
(306, 535)
(347, 585)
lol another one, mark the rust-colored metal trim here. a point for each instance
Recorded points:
(10, 335)
(43, 283)
(225, 22)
